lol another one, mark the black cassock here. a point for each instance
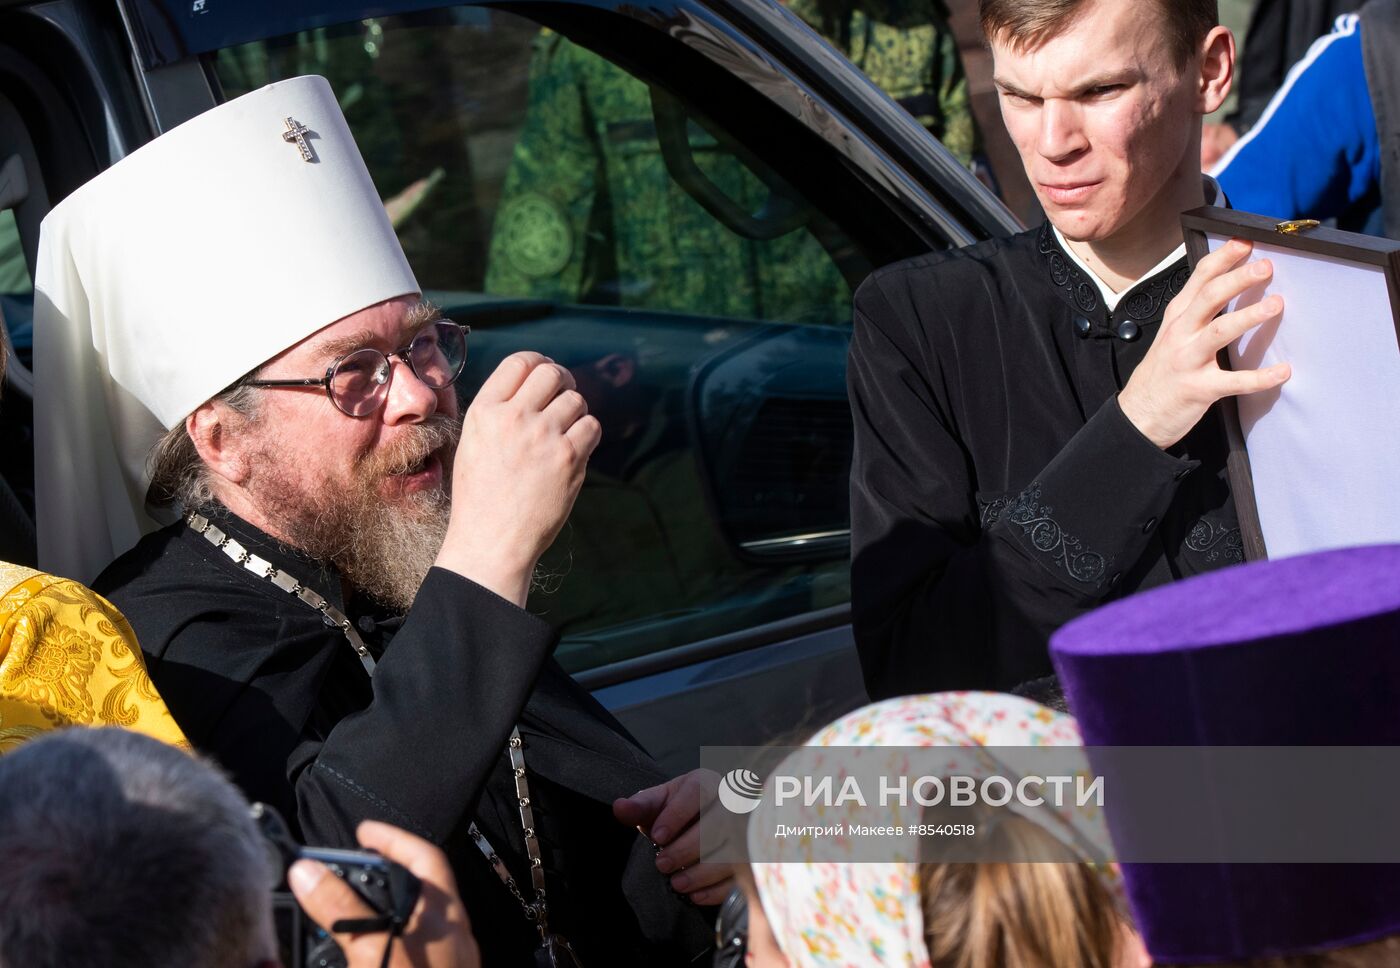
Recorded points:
(997, 490)
(257, 679)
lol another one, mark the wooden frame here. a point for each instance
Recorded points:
(1199, 225)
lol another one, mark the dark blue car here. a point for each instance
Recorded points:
(674, 198)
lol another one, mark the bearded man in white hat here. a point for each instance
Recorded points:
(227, 327)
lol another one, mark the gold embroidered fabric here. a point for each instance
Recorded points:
(68, 657)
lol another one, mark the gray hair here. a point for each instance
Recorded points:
(124, 852)
(179, 477)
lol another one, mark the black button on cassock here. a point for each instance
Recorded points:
(1082, 327)
(1128, 331)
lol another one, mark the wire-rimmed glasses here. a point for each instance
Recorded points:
(358, 382)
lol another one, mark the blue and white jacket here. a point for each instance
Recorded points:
(1316, 151)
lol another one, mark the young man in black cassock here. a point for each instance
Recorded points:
(337, 616)
(1033, 423)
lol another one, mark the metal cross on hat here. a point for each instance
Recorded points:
(297, 132)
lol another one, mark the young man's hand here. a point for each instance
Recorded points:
(1180, 377)
(438, 934)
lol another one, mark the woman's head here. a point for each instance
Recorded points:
(810, 907)
(988, 915)
(1024, 915)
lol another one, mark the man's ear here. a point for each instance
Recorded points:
(1217, 73)
(220, 450)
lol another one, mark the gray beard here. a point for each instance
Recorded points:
(381, 549)
(390, 549)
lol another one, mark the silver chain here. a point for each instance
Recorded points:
(334, 618)
(535, 910)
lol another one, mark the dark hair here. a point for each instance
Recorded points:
(1030, 23)
(1047, 692)
(125, 852)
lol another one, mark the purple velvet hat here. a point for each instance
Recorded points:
(1298, 652)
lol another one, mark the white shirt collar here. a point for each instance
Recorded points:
(1112, 298)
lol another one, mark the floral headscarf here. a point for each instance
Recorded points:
(829, 914)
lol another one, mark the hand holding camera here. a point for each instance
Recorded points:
(393, 905)
(437, 933)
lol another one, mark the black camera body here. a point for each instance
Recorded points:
(373, 877)
(389, 889)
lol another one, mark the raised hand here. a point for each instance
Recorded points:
(1180, 377)
(525, 445)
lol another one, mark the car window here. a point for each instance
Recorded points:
(16, 289)
(617, 194)
(682, 252)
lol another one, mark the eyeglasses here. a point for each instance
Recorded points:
(358, 382)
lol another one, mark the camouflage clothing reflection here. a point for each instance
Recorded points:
(590, 212)
(14, 271)
(907, 48)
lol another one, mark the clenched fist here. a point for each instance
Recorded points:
(1180, 377)
(525, 445)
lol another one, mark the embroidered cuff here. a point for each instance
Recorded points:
(1091, 512)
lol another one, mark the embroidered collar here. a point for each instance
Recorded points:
(1129, 312)
(1215, 196)
(1140, 306)
(1110, 298)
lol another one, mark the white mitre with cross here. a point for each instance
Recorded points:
(173, 273)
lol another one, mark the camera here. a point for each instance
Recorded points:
(389, 889)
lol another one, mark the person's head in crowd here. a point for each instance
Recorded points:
(1297, 652)
(289, 371)
(120, 850)
(367, 491)
(1104, 101)
(913, 910)
(124, 851)
(1046, 691)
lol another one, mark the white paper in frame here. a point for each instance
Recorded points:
(1323, 447)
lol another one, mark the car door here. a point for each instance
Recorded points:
(676, 201)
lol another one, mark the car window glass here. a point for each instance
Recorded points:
(16, 289)
(687, 275)
(909, 49)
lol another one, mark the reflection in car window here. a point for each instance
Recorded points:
(562, 204)
(908, 48)
(16, 289)
(592, 211)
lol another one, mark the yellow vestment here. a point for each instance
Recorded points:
(68, 657)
